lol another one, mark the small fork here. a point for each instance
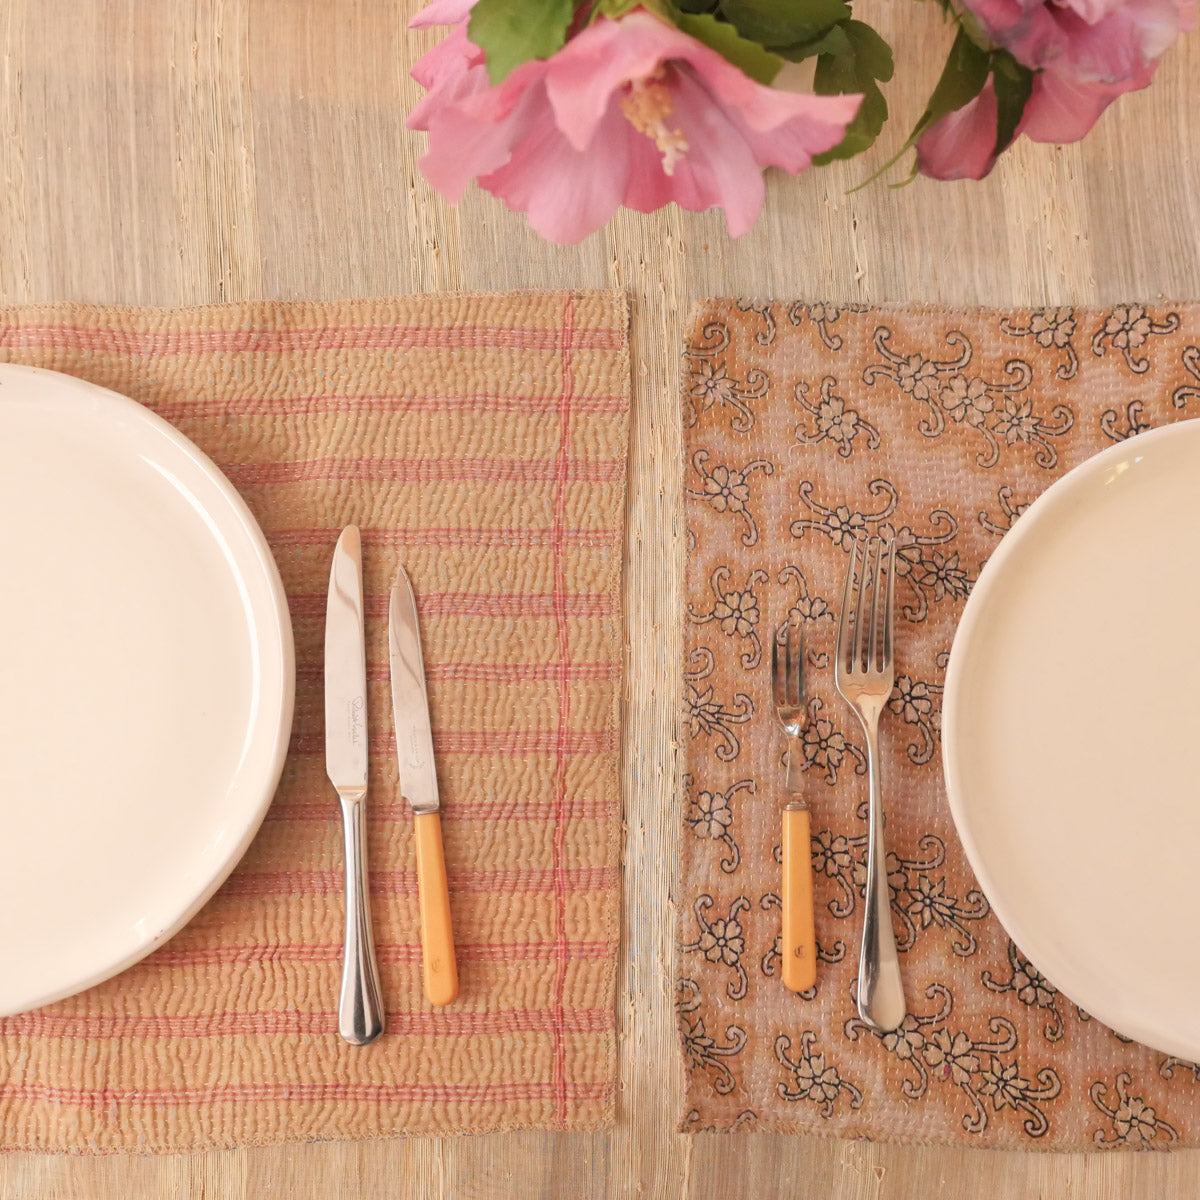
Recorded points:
(864, 672)
(798, 944)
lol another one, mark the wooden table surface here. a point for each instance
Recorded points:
(175, 152)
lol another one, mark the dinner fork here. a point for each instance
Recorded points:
(798, 945)
(864, 671)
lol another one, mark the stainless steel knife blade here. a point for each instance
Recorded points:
(346, 671)
(360, 1006)
(410, 701)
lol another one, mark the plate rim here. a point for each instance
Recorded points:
(277, 722)
(964, 634)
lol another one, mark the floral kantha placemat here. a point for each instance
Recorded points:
(807, 425)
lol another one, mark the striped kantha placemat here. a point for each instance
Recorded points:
(808, 425)
(481, 441)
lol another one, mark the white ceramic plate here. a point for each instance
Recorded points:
(146, 683)
(1071, 736)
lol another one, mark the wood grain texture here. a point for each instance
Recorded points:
(187, 151)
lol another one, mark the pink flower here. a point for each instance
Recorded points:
(632, 111)
(1093, 41)
(1085, 54)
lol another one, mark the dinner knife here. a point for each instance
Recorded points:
(360, 1009)
(418, 783)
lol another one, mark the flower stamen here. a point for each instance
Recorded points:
(646, 104)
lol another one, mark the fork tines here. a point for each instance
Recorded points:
(865, 633)
(787, 665)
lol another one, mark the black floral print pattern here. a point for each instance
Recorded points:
(722, 940)
(702, 1051)
(711, 385)
(822, 316)
(1190, 358)
(812, 1078)
(833, 420)
(710, 817)
(736, 611)
(1128, 328)
(977, 1066)
(919, 702)
(1032, 988)
(1050, 327)
(996, 409)
(727, 489)
(1010, 510)
(1134, 1122)
(708, 716)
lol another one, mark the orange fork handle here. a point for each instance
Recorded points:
(799, 944)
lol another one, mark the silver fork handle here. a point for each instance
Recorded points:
(360, 1010)
(880, 989)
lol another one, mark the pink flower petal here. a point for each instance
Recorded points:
(650, 187)
(719, 166)
(1094, 40)
(586, 73)
(961, 144)
(566, 193)
(462, 148)
(1118, 47)
(442, 12)
(817, 124)
(442, 67)
(1064, 110)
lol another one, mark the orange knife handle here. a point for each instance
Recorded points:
(437, 937)
(798, 946)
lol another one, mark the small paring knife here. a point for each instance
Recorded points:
(360, 1009)
(418, 782)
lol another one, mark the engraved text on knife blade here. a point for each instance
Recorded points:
(415, 760)
(354, 719)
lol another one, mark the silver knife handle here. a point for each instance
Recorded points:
(360, 1011)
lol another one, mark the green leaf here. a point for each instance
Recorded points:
(865, 59)
(512, 32)
(873, 53)
(1013, 83)
(832, 41)
(962, 79)
(783, 22)
(618, 8)
(722, 37)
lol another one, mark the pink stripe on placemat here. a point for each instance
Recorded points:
(577, 809)
(392, 952)
(563, 474)
(484, 742)
(474, 604)
(172, 342)
(558, 881)
(234, 1024)
(493, 672)
(370, 1093)
(449, 536)
(421, 470)
(332, 402)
